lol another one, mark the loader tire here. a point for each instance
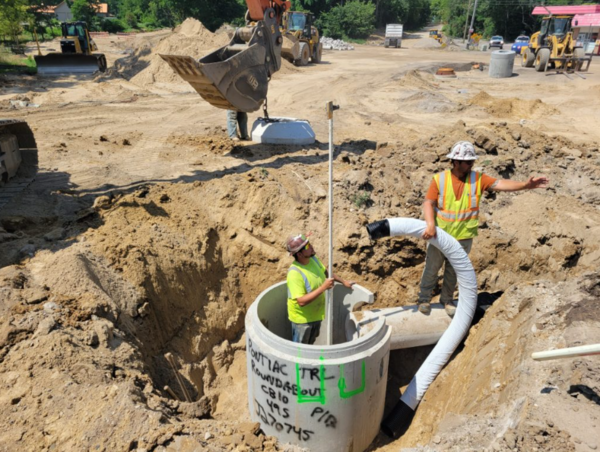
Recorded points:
(318, 53)
(304, 55)
(541, 60)
(528, 58)
(578, 53)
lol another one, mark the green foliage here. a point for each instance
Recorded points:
(361, 199)
(85, 10)
(412, 13)
(354, 19)
(10, 63)
(113, 25)
(12, 14)
(492, 17)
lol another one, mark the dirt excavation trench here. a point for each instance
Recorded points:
(147, 234)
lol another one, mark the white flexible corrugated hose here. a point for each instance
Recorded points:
(399, 419)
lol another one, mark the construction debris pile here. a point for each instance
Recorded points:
(335, 44)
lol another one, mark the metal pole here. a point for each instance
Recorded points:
(329, 297)
(473, 16)
(467, 21)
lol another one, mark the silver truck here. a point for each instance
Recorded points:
(393, 35)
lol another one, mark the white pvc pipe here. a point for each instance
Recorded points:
(467, 302)
(584, 350)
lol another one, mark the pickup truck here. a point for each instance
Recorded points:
(393, 35)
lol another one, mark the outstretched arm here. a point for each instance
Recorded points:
(511, 185)
(429, 212)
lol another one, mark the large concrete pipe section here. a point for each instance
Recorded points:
(502, 63)
(409, 328)
(396, 423)
(320, 397)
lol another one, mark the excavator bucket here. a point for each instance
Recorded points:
(70, 63)
(18, 150)
(236, 76)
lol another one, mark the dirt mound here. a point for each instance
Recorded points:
(144, 66)
(418, 79)
(512, 107)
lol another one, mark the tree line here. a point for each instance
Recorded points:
(508, 18)
(340, 19)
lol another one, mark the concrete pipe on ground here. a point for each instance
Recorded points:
(409, 328)
(501, 63)
(323, 398)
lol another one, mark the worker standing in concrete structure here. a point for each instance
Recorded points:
(235, 120)
(452, 204)
(307, 281)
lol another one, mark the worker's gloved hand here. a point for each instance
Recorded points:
(378, 229)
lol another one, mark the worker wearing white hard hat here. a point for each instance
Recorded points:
(307, 281)
(452, 204)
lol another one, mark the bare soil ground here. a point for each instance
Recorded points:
(147, 231)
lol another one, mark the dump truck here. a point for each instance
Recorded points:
(236, 76)
(301, 39)
(18, 156)
(553, 46)
(76, 54)
(393, 35)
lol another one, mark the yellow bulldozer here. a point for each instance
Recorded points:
(76, 53)
(553, 46)
(301, 40)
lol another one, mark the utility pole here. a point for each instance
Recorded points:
(467, 21)
(473, 17)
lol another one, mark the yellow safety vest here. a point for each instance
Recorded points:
(459, 218)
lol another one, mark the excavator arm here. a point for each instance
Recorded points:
(236, 76)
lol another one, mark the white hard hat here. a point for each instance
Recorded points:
(295, 243)
(462, 150)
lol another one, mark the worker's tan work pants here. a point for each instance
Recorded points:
(433, 263)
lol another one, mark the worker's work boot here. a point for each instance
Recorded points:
(424, 307)
(450, 309)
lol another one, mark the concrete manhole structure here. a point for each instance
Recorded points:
(282, 131)
(331, 397)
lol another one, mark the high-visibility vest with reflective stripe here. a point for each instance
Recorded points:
(458, 217)
(315, 310)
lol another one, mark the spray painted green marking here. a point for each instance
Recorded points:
(342, 383)
(311, 399)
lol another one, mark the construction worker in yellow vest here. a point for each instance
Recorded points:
(452, 204)
(307, 281)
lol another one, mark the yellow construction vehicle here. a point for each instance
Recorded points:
(18, 158)
(76, 53)
(301, 40)
(553, 46)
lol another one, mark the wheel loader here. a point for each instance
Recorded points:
(76, 53)
(301, 40)
(236, 76)
(18, 153)
(553, 46)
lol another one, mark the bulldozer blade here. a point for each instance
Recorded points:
(69, 63)
(290, 49)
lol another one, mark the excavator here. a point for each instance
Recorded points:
(236, 76)
(76, 53)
